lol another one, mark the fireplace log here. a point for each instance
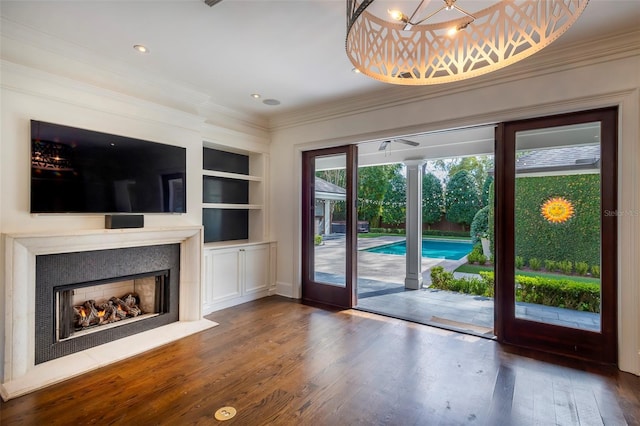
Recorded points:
(115, 309)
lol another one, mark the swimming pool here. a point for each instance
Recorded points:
(435, 249)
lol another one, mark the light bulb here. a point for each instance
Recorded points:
(396, 15)
(140, 48)
(452, 31)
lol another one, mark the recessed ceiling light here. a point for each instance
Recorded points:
(140, 48)
(271, 102)
(256, 95)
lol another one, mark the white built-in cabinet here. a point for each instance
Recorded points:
(239, 261)
(238, 274)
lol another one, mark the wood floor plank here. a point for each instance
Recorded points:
(279, 362)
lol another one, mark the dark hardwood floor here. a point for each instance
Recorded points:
(279, 362)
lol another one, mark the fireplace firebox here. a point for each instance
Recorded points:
(95, 306)
(120, 292)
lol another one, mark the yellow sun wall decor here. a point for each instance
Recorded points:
(557, 210)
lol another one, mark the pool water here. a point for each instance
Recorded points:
(435, 249)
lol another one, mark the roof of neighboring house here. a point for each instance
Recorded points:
(328, 187)
(577, 159)
(560, 159)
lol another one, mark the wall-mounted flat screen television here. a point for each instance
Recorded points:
(81, 171)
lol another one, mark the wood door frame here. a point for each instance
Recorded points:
(314, 291)
(599, 346)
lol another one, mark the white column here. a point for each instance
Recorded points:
(327, 217)
(413, 279)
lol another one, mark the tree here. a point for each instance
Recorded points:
(478, 166)
(394, 209)
(480, 225)
(486, 188)
(462, 200)
(335, 176)
(491, 219)
(432, 199)
(373, 184)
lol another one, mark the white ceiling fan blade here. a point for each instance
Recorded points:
(407, 142)
(383, 145)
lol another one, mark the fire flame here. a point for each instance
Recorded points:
(82, 312)
(101, 313)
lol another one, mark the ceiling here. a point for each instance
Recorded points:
(291, 51)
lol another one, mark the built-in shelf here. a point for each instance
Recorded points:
(239, 261)
(227, 175)
(233, 194)
(232, 206)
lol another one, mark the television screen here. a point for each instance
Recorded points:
(82, 171)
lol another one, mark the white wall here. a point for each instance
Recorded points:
(28, 93)
(589, 82)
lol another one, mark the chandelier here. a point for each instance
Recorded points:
(442, 42)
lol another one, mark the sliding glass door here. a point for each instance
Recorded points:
(556, 229)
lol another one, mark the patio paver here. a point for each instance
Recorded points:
(381, 289)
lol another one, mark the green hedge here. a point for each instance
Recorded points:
(438, 233)
(578, 239)
(445, 280)
(539, 290)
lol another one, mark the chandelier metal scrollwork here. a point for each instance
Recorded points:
(412, 50)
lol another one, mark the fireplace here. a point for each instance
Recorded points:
(41, 267)
(97, 283)
(92, 307)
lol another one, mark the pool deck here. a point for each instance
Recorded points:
(381, 290)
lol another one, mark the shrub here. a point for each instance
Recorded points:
(561, 293)
(550, 265)
(582, 268)
(444, 280)
(565, 267)
(317, 239)
(519, 262)
(487, 277)
(440, 278)
(480, 225)
(595, 271)
(535, 264)
(476, 254)
(482, 259)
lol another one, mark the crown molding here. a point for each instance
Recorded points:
(31, 48)
(551, 60)
(44, 85)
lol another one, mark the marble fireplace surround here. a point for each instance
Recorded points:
(21, 374)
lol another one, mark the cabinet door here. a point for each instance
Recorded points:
(256, 267)
(222, 275)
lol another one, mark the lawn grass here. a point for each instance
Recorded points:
(474, 269)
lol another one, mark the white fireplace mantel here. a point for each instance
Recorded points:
(21, 374)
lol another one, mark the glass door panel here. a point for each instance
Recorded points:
(329, 226)
(557, 225)
(555, 236)
(330, 242)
